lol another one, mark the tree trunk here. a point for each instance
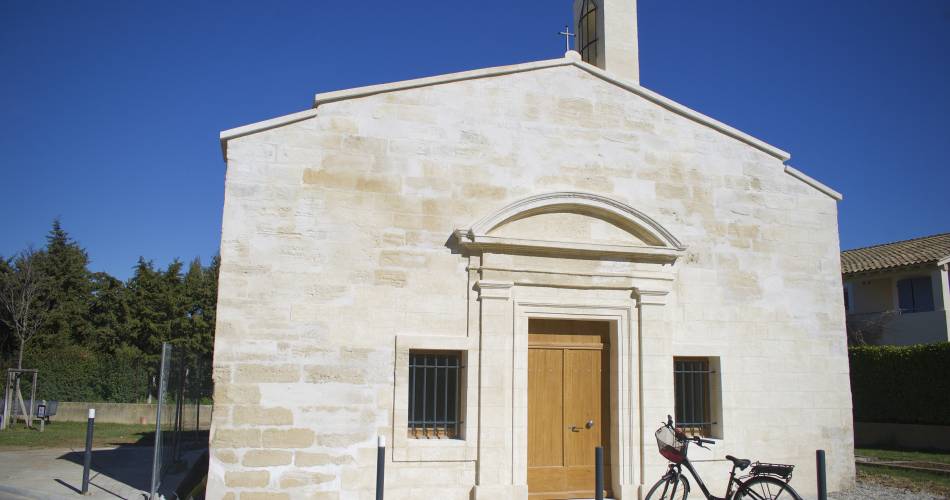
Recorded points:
(19, 394)
(23, 411)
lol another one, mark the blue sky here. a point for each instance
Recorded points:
(110, 110)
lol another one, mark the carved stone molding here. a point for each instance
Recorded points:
(488, 289)
(650, 297)
(659, 244)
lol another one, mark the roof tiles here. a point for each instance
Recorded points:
(901, 253)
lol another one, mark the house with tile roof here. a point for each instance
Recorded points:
(898, 293)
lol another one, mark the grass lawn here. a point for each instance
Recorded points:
(73, 435)
(909, 479)
(943, 458)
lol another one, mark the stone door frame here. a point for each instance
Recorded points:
(624, 350)
(518, 278)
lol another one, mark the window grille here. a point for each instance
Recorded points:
(692, 381)
(587, 32)
(434, 395)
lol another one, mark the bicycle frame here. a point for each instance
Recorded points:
(676, 470)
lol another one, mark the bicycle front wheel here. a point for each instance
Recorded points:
(669, 488)
(766, 488)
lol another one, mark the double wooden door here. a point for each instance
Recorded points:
(568, 407)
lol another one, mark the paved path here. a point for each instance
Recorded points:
(123, 472)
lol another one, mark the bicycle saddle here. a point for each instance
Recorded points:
(741, 463)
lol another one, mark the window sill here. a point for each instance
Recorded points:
(442, 450)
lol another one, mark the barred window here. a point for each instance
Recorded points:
(587, 31)
(692, 379)
(435, 381)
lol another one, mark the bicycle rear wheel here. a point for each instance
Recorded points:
(669, 488)
(766, 488)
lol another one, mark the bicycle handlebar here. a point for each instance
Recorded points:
(680, 435)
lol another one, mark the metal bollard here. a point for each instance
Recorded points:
(87, 462)
(599, 473)
(822, 478)
(380, 467)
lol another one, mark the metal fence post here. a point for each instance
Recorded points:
(87, 461)
(158, 453)
(6, 401)
(822, 478)
(380, 467)
(599, 473)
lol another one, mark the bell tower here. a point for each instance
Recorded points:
(607, 36)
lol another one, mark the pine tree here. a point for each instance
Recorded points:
(145, 320)
(109, 315)
(65, 264)
(201, 294)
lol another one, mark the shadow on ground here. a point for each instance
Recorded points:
(128, 467)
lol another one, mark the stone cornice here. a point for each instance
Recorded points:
(798, 174)
(254, 128)
(488, 289)
(567, 248)
(651, 297)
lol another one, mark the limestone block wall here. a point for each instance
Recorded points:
(337, 240)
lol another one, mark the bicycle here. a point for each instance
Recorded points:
(764, 482)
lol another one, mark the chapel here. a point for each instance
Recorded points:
(500, 270)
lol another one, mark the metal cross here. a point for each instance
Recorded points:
(567, 36)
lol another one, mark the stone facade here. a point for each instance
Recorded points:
(443, 213)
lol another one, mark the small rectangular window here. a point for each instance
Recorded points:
(693, 390)
(435, 381)
(915, 295)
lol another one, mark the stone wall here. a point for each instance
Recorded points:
(128, 413)
(338, 242)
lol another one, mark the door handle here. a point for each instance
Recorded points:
(588, 425)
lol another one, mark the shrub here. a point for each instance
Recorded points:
(906, 384)
(73, 373)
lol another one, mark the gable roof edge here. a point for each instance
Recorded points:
(571, 58)
(802, 176)
(683, 111)
(261, 126)
(340, 95)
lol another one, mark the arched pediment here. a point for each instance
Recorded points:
(573, 223)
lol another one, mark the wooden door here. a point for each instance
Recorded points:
(568, 408)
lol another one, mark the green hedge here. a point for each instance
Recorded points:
(907, 385)
(72, 373)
